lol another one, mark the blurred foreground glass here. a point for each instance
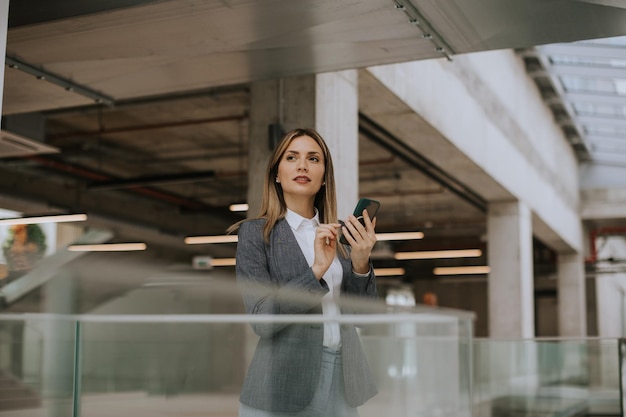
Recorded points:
(424, 361)
(547, 377)
(194, 365)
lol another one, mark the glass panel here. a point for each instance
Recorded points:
(596, 85)
(174, 369)
(590, 109)
(606, 131)
(546, 377)
(587, 61)
(36, 367)
(195, 365)
(615, 41)
(423, 361)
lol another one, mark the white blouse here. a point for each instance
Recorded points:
(304, 230)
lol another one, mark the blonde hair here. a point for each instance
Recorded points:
(273, 206)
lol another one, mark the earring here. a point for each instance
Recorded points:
(277, 180)
(324, 183)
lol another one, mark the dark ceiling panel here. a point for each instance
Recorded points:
(29, 12)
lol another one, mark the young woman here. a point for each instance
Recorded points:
(290, 261)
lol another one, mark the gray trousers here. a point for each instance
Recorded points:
(329, 398)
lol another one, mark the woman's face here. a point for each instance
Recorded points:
(301, 169)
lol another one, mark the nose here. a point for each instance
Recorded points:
(302, 166)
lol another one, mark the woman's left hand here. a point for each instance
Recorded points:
(362, 239)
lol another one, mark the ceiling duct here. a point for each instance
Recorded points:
(12, 145)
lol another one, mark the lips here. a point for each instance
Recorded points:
(302, 179)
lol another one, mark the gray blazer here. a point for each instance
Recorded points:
(284, 371)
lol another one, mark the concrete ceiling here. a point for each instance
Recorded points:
(148, 101)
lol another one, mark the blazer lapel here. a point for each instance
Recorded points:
(286, 252)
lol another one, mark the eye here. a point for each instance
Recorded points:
(314, 159)
(290, 158)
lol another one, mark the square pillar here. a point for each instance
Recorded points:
(571, 296)
(326, 102)
(510, 287)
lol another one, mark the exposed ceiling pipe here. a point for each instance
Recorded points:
(154, 180)
(151, 126)
(92, 175)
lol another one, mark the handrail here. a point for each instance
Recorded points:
(230, 318)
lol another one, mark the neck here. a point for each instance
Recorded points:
(302, 206)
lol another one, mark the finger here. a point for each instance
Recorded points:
(367, 220)
(348, 235)
(326, 229)
(353, 232)
(358, 225)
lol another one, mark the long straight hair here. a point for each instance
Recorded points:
(273, 206)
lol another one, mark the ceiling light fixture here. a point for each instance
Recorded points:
(461, 270)
(238, 207)
(389, 272)
(199, 240)
(438, 254)
(108, 247)
(399, 236)
(60, 218)
(223, 262)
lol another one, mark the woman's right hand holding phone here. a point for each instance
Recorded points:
(362, 238)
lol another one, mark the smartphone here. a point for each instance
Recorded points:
(364, 204)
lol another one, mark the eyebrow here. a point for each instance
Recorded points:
(308, 153)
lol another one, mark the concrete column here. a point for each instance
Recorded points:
(327, 102)
(611, 301)
(4, 20)
(337, 119)
(571, 295)
(60, 297)
(510, 285)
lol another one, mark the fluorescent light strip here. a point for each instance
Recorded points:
(61, 218)
(389, 272)
(108, 247)
(223, 262)
(197, 240)
(438, 254)
(238, 207)
(461, 270)
(399, 236)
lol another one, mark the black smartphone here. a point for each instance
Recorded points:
(364, 204)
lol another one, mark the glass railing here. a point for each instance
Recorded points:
(424, 362)
(194, 365)
(547, 377)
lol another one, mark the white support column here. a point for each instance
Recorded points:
(510, 290)
(571, 296)
(4, 22)
(327, 102)
(337, 120)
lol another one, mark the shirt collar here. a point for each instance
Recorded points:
(295, 220)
